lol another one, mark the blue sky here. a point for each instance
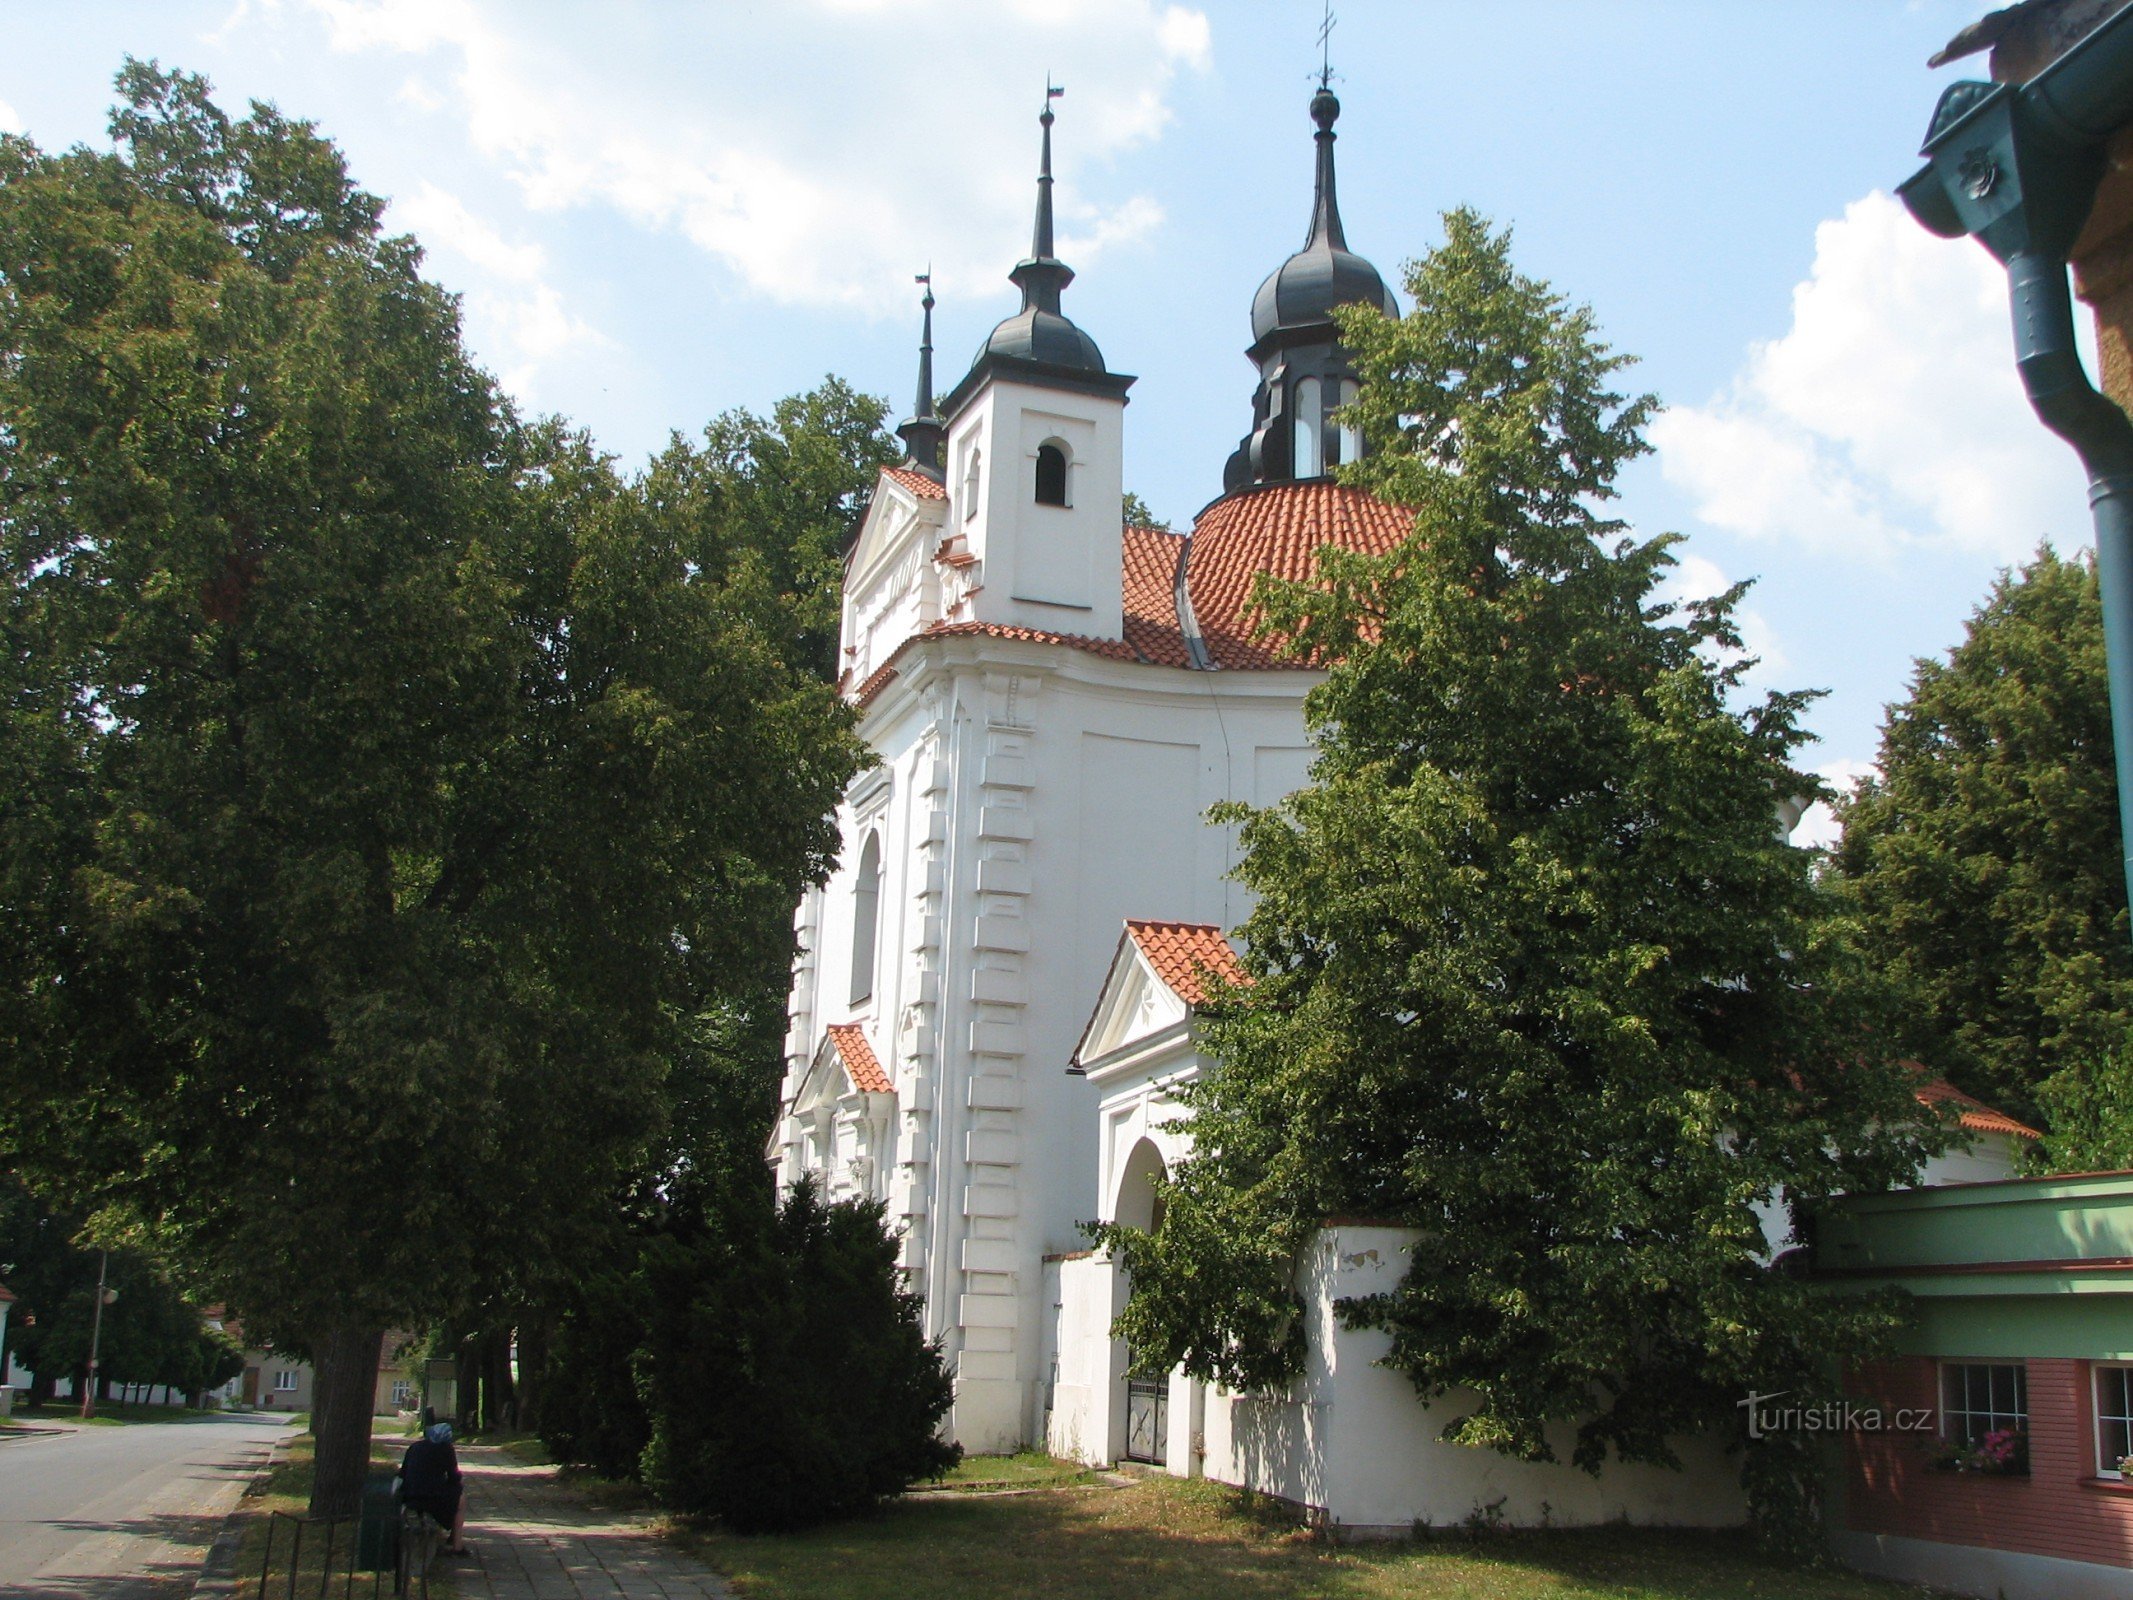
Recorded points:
(656, 211)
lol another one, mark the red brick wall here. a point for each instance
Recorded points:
(1891, 1485)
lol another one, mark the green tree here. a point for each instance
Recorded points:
(399, 785)
(1985, 854)
(1533, 971)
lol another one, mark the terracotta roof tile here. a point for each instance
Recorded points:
(1116, 649)
(919, 483)
(1184, 953)
(858, 1058)
(1971, 1113)
(1151, 557)
(876, 681)
(1278, 529)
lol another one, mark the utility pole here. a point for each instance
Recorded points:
(96, 1334)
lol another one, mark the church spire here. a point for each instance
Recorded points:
(923, 432)
(1325, 207)
(1043, 275)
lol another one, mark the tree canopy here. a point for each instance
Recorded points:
(1985, 853)
(398, 787)
(1533, 970)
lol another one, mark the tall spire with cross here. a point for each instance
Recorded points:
(923, 431)
(1043, 275)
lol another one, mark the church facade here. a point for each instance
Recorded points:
(1055, 699)
(992, 1007)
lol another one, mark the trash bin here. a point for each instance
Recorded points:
(378, 1526)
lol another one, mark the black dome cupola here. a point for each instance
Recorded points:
(1040, 342)
(1304, 374)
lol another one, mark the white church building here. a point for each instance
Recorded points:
(993, 1001)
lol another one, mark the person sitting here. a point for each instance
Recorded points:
(430, 1482)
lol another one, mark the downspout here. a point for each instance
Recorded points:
(2017, 168)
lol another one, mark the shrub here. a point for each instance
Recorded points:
(784, 1368)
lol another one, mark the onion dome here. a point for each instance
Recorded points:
(1325, 273)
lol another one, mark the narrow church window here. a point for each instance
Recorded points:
(1351, 444)
(1051, 475)
(866, 918)
(1310, 417)
(972, 472)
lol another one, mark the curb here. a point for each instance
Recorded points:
(218, 1573)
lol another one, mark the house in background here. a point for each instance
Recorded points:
(2014, 1475)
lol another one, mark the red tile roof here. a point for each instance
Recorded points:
(918, 483)
(876, 681)
(1972, 1113)
(1183, 955)
(858, 1058)
(1151, 557)
(1277, 529)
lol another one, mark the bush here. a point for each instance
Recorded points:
(589, 1411)
(784, 1371)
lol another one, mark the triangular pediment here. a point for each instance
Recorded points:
(1134, 1004)
(895, 517)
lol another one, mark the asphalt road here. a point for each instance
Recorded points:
(121, 1513)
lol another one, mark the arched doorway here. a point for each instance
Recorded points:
(1140, 1205)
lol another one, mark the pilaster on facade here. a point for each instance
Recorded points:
(988, 1305)
(916, 1046)
(799, 1012)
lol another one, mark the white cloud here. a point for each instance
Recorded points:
(514, 316)
(9, 121)
(1888, 416)
(781, 140)
(1818, 829)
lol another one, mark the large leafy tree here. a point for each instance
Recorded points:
(1533, 969)
(395, 787)
(1985, 854)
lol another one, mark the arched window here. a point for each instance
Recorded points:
(1051, 475)
(1310, 417)
(973, 474)
(866, 918)
(1351, 439)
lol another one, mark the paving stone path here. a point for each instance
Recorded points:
(534, 1540)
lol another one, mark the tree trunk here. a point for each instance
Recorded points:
(345, 1361)
(533, 1342)
(43, 1385)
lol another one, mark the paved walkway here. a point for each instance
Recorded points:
(534, 1540)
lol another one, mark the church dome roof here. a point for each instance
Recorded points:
(1325, 273)
(1050, 337)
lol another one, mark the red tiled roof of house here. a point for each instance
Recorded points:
(1971, 1112)
(919, 483)
(1185, 953)
(1150, 568)
(1278, 529)
(858, 1058)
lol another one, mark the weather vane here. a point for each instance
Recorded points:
(1325, 47)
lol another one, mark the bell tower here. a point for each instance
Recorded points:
(1035, 454)
(1304, 374)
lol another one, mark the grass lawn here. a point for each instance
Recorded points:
(1163, 1539)
(1030, 1470)
(109, 1414)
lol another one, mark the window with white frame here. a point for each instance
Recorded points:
(403, 1394)
(285, 1382)
(2114, 1418)
(1977, 1398)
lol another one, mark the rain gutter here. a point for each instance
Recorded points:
(2016, 167)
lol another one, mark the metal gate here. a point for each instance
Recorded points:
(1148, 1420)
